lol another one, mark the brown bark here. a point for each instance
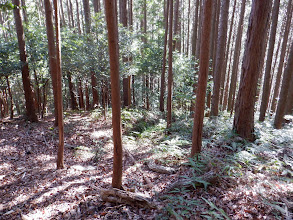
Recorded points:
(288, 75)
(77, 17)
(195, 27)
(10, 96)
(87, 98)
(244, 108)
(224, 71)
(188, 29)
(234, 74)
(267, 79)
(87, 15)
(94, 90)
(202, 81)
(73, 103)
(126, 79)
(60, 154)
(52, 54)
(221, 47)
(282, 57)
(80, 95)
(29, 99)
(197, 50)
(289, 106)
(170, 73)
(163, 83)
(112, 26)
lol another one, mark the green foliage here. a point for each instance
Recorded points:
(9, 58)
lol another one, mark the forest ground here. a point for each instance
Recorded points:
(232, 178)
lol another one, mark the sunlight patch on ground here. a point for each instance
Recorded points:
(49, 212)
(44, 157)
(100, 134)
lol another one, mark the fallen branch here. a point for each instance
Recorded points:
(160, 169)
(124, 197)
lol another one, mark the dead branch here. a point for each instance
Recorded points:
(124, 197)
(160, 169)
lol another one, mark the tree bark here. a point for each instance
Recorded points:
(170, 71)
(28, 93)
(282, 57)
(163, 83)
(237, 50)
(10, 96)
(73, 103)
(60, 154)
(195, 27)
(244, 109)
(202, 81)
(288, 73)
(221, 47)
(52, 54)
(112, 26)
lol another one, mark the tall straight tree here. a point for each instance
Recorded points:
(28, 92)
(52, 53)
(220, 57)
(244, 108)
(203, 77)
(126, 79)
(112, 26)
(267, 78)
(234, 74)
(170, 71)
(163, 84)
(288, 75)
(282, 56)
(60, 155)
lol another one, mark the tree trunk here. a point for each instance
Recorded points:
(28, 94)
(195, 27)
(202, 81)
(58, 72)
(267, 79)
(80, 94)
(73, 103)
(221, 47)
(237, 50)
(94, 90)
(52, 54)
(87, 98)
(170, 73)
(289, 106)
(288, 73)
(77, 17)
(163, 83)
(10, 96)
(112, 26)
(224, 71)
(282, 57)
(244, 109)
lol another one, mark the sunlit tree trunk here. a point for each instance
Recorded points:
(221, 47)
(282, 57)
(267, 77)
(234, 74)
(288, 75)
(112, 26)
(244, 108)
(60, 155)
(28, 93)
(203, 77)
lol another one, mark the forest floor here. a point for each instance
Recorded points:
(232, 178)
